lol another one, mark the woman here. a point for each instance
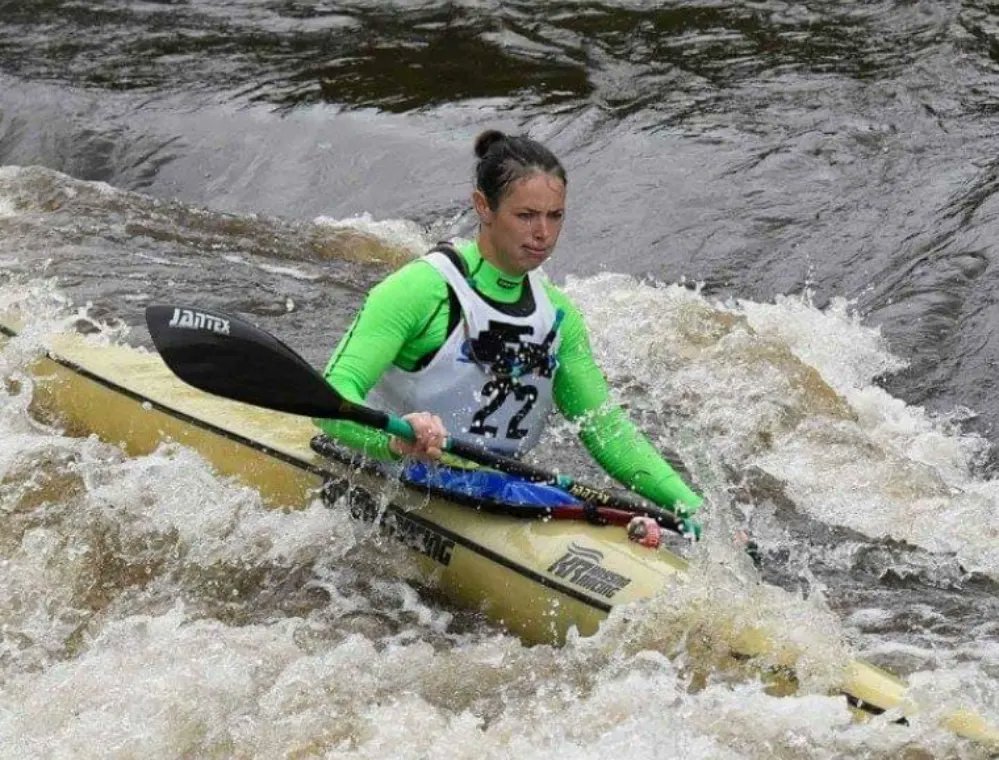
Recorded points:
(473, 342)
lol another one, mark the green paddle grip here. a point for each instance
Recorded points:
(399, 427)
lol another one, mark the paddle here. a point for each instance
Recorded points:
(229, 357)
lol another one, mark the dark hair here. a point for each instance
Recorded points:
(504, 159)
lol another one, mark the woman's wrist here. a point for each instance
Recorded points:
(393, 448)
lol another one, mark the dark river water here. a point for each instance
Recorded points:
(781, 231)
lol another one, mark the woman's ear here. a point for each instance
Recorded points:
(481, 206)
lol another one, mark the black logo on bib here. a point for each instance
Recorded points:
(503, 352)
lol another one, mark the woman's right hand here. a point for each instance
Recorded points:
(430, 437)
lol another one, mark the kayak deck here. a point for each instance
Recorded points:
(540, 579)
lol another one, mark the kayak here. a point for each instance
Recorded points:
(540, 579)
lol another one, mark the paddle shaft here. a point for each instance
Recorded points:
(480, 454)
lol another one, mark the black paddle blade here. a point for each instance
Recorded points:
(229, 357)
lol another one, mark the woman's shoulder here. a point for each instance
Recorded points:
(414, 279)
(559, 298)
(573, 329)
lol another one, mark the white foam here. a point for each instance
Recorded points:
(120, 634)
(295, 273)
(400, 233)
(788, 388)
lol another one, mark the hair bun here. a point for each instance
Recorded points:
(486, 140)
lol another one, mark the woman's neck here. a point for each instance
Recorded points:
(489, 279)
(488, 252)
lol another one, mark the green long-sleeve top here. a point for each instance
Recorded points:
(405, 318)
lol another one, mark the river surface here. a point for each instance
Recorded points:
(781, 230)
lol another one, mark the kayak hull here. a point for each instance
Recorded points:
(538, 578)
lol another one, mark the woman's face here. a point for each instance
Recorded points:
(520, 235)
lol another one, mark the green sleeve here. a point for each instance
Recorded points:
(389, 329)
(581, 394)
